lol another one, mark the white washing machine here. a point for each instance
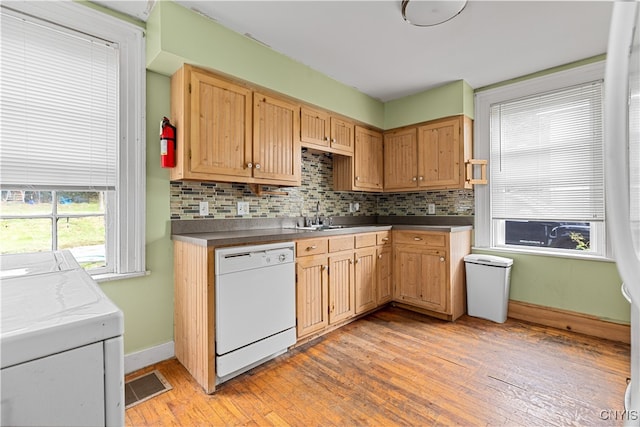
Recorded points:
(61, 347)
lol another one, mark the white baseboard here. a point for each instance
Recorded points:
(148, 356)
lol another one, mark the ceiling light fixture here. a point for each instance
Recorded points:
(427, 13)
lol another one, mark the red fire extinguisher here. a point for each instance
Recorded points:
(167, 144)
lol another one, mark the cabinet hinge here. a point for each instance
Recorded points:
(189, 87)
(189, 153)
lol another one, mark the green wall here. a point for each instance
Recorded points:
(147, 302)
(583, 286)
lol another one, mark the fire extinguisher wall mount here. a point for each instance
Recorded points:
(168, 143)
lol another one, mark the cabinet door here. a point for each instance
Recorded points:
(384, 284)
(365, 279)
(342, 136)
(367, 158)
(314, 127)
(276, 147)
(400, 163)
(312, 294)
(421, 277)
(439, 154)
(220, 126)
(341, 287)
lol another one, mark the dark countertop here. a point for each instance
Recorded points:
(264, 235)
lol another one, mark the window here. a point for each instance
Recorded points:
(544, 142)
(72, 164)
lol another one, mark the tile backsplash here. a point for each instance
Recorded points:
(317, 184)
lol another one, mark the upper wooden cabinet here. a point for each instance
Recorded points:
(320, 130)
(431, 156)
(225, 132)
(276, 147)
(363, 171)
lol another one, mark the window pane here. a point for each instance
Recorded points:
(549, 234)
(80, 202)
(85, 237)
(25, 203)
(25, 235)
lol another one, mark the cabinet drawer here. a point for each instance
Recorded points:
(383, 238)
(344, 243)
(365, 240)
(311, 247)
(420, 238)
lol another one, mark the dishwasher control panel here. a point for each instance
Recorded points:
(240, 258)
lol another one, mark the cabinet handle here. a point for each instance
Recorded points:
(414, 179)
(441, 259)
(417, 239)
(257, 165)
(310, 248)
(249, 165)
(421, 178)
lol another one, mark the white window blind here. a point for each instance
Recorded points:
(59, 108)
(546, 154)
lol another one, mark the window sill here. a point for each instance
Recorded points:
(119, 276)
(528, 251)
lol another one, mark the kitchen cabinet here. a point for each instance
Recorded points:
(323, 131)
(312, 289)
(277, 158)
(384, 283)
(429, 271)
(228, 133)
(337, 279)
(363, 171)
(432, 156)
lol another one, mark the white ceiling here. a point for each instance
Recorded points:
(367, 45)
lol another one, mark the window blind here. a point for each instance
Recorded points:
(59, 107)
(547, 156)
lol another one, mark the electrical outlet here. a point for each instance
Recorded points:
(351, 207)
(356, 206)
(243, 208)
(204, 208)
(432, 208)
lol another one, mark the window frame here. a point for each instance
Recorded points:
(126, 245)
(484, 231)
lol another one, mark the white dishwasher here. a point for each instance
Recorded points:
(255, 306)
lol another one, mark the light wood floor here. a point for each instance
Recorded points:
(395, 367)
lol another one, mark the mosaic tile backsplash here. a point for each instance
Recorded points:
(317, 183)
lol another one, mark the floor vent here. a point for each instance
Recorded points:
(144, 388)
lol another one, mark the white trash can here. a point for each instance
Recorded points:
(488, 286)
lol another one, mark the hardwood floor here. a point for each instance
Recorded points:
(395, 367)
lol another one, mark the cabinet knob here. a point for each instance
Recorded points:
(249, 165)
(333, 140)
(326, 138)
(310, 248)
(358, 260)
(417, 239)
(441, 259)
(385, 239)
(421, 178)
(414, 179)
(324, 267)
(350, 261)
(257, 165)
(380, 256)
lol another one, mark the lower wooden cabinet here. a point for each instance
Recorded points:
(337, 279)
(384, 291)
(312, 294)
(429, 271)
(365, 279)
